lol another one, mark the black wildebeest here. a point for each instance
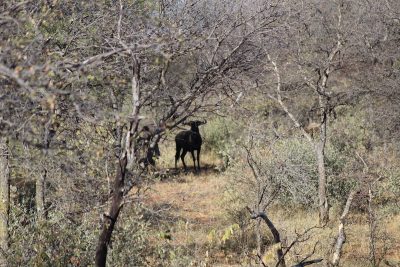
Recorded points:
(189, 140)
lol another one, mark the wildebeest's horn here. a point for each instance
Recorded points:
(204, 121)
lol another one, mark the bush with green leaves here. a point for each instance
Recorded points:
(57, 241)
(289, 166)
(220, 134)
(70, 240)
(129, 245)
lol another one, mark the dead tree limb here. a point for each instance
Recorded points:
(274, 231)
(341, 238)
(302, 237)
(302, 264)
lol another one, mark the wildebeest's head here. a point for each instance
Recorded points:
(194, 125)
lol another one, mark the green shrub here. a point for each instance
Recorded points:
(57, 241)
(66, 240)
(129, 243)
(219, 136)
(290, 166)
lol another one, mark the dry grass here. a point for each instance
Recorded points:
(194, 201)
(167, 158)
(193, 208)
(356, 248)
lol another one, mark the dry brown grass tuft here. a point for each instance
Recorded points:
(195, 199)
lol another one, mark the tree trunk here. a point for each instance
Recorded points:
(40, 192)
(275, 233)
(258, 230)
(277, 240)
(4, 200)
(341, 238)
(40, 186)
(110, 219)
(322, 194)
(372, 229)
(128, 156)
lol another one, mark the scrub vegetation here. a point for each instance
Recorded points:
(294, 106)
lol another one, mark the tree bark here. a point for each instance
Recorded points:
(126, 158)
(372, 229)
(4, 199)
(318, 146)
(110, 219)
(322, 194)
(277, 239)
(40, 193)
(341, 239)
(40, 185)
(259, 242)
(275, 234)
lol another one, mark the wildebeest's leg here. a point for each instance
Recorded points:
(194, 160)
(183, 158)
(198, 158)
(178, 153)
(156, 151)
(149, 157)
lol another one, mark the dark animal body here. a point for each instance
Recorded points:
(189, 141)
(148, 153)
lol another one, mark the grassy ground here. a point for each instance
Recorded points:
(192, 214)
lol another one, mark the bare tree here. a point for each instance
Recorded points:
(158, 63)
(315, 56)
(218, 57)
